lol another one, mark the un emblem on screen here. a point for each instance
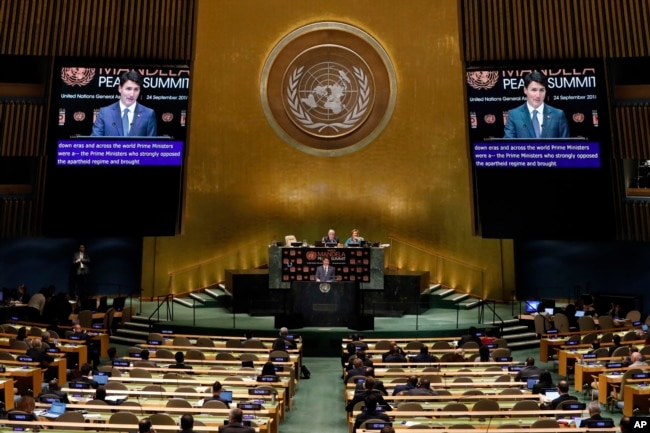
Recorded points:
(328, 88)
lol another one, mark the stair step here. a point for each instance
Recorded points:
(513, 329)
(523, 344)
(198, 297)
(504, 323)
(441, 293)
(216, 293)
(471, 303)
(520, 336)
(184, 302)
(125, 340)
(459, 298)
(133, 333)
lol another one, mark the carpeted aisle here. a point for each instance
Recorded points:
(318, 404)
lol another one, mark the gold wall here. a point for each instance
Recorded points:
(246, 187)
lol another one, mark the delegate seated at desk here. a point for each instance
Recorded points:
(330, 237)
(325, 273)
(355, 239)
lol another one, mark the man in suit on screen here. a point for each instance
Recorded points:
(535, 119)
(326, 272)
(126, 118)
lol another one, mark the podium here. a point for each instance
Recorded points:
(326, 304)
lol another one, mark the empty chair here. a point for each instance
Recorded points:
(234, 344)
(589, 338)
(279, 354)
(184, 391)
(289, 239)
(410, 406)
(413, 345)
(248, 357)
(35, 332)
(501, 343)
(633, 316)
(629, 336)
(194, 354)
(107, 321)
(382, 345)
(164, 354)
(545, 423)
(509, 426)
(171, 376)
(154, 336)
(526, 405)
(140, 372)
(441, 345)
(161, 419)
(606, 337)
(85, 319)
(154, 388)
(178, 402)
(470, 345)
(601, 353)
(621, 351)
(606, 322)
(561, 322)
(6, 356)
(18, 345)
(72, 417)
(645, 350)
(419, 426)
(204, 342)
(123, 417)
(501, 352)
(217, 404)
(511, 391)
(118, 386)
(98, 403)
(461, 426)
(463, 379)
(472, 395)
(455, 407)
(575, 338)
(225, 356)
(254, 344)
(586, 323)
(486, 405)
(503, 378)
(182, 341)
(541, 324)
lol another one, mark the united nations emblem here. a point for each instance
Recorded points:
(324, 287)
(328, 88)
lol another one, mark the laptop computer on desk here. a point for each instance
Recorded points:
(54, 411)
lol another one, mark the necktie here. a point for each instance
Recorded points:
(535, 123)
(125, 122)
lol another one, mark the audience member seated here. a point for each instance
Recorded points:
(457, 355)
(54, 389)
(100, 393)
(563, 388)
(46, 338)
(180, 362)
(594, 411)
(27, 404)
(545, 382)
(144, 360)
(145, 426)
(216, 394)
(283, 342)
(530, 370)
(236, 423)
(395, 355)
(86, 371)
(424, 356)
(411, 383)
(369, 390)
(424, 388)
(93, 346)
(22, 334)
(483, 355)
(358, 369)
(636, 360)
(268, 369)
(489, 337)
(379, 385)
(616, 343)
(187, 424)
(391, 350)
(370, 412)
(470, 336)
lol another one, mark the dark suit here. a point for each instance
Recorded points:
(553, 405)
(554, 124)
(236, 428)
(325, 275)
(327, 240)
(109, 122)
(365, 416)
(362, 397)
(424, 357)
(400, 388)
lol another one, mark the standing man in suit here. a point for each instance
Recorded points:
(331, 237)
(126, 117)
(81, 272)
(325, 273)
(535, 119)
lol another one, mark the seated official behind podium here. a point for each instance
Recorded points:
(330, 238)
(325, 273)
(355, 239)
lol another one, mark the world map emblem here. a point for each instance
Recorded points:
(328, 89)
